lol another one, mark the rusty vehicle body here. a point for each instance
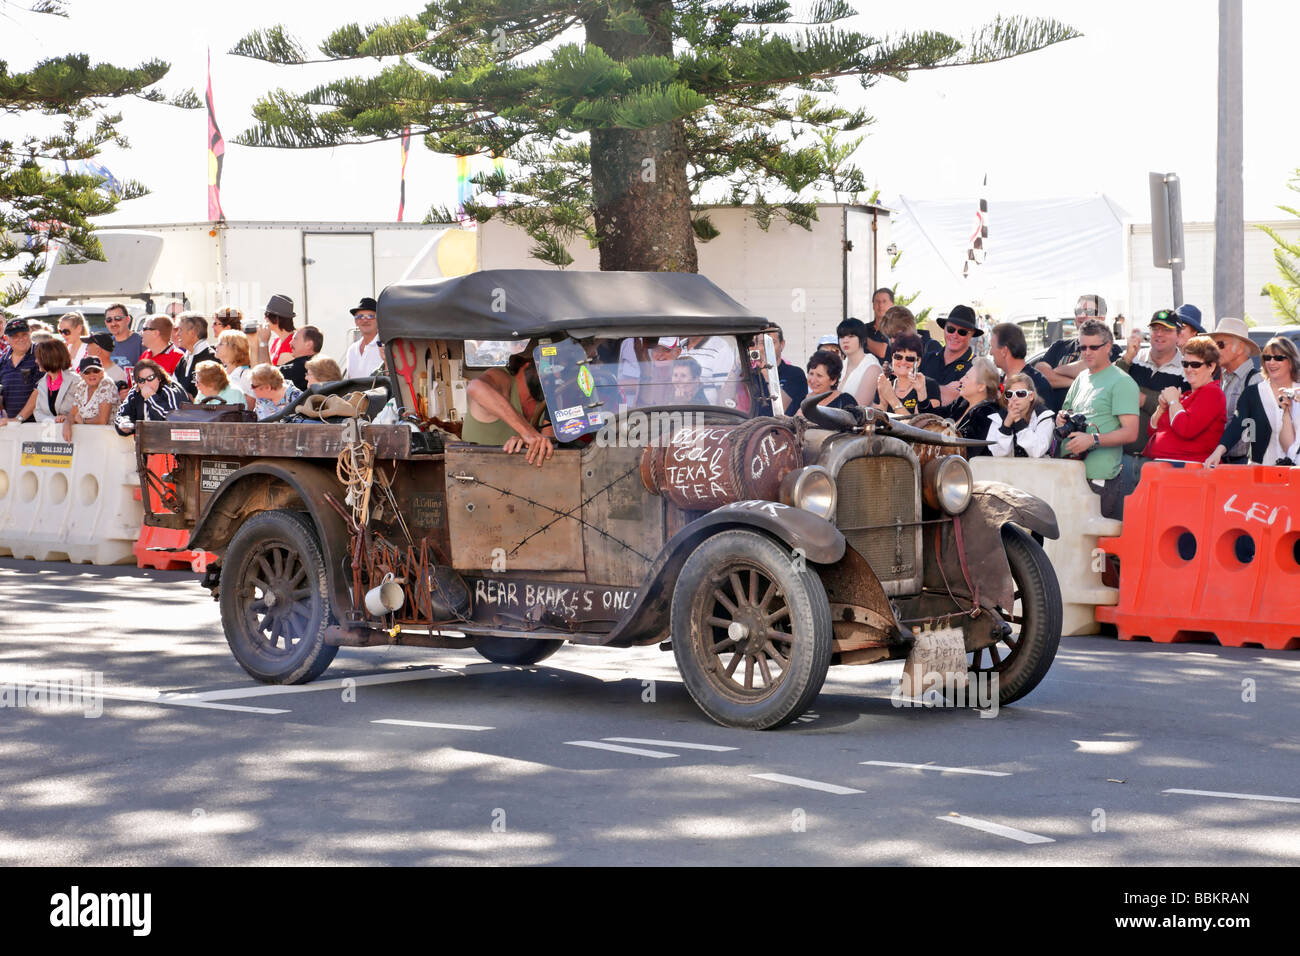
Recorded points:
(760, 549)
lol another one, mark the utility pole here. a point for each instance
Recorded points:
(1229, 215)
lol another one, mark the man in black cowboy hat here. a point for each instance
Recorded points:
(367, 353)
(950, 364)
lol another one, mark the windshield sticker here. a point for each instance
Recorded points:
(585, 381)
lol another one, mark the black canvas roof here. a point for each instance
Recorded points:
(504, 304)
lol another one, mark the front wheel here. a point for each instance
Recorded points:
(275, 603)
(751, 633)
(1023, 656)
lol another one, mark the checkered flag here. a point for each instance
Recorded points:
(975, 252)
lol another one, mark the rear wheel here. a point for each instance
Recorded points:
(275, 603)
(1023, 656)
(516, 650)
(751, 634)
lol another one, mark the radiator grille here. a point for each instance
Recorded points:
(878, 491)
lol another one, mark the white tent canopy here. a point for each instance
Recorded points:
(1040, 254)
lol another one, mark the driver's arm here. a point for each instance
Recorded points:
(489, 397)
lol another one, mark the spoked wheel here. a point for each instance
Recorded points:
(751, 634)
(1023, 656)
(275, 602)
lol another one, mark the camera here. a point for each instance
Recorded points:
(250, 325)
(1287, 393)
(1073, 423)
(755, 358)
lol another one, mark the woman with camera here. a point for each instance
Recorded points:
(151, 399)
(1187, 425)
(1268, 415)
(1026, 429)
(904, 390)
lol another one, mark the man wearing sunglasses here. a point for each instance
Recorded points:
(128, 346)
(1063, 361)
(1236, 351)
(954, 360)
(1154, 367)
(1108, 399)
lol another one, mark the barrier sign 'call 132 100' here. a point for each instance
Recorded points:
(47, 454)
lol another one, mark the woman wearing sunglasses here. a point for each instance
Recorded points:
(1267, 415)
(903, 390)
(1187, 425)
(1026, 429)
(153, 396)
(94, 397)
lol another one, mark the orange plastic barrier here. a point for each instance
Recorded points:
(151, 537)
(1210, 553)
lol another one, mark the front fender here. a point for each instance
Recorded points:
(280, 483)
(1000, 503)
(819, 541)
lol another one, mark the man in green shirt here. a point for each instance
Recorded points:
(1109, 399)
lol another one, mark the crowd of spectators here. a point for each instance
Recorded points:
(176, 358)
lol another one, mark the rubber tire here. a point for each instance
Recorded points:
(517, 650)
(1040, 599)
(312, 655)
(810, 619)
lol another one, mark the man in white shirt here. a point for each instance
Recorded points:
(367, 353)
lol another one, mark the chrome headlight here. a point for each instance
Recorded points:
(946, 483)
(812, 489)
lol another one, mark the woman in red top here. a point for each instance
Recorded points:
(1187, 427)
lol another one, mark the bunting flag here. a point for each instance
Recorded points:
(216, 155)
(976, 252)
(406, 150)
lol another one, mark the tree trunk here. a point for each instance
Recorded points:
(638, 177)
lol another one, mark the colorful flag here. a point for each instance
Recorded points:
(216, 155)
(406, 150)
(463, 185)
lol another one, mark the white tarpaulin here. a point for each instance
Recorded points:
(1040, 254)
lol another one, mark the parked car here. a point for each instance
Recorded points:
(760, 549)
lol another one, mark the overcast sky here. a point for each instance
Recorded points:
(1136, 93)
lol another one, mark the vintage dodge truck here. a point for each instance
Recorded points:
(677, 509)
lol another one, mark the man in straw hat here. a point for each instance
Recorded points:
(1236, 350)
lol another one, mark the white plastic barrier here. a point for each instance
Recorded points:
(1061, 483)
(72, 501)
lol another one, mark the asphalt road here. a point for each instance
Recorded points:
(599, 756)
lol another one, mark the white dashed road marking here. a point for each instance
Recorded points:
(997, 829)
(635, 751)
(668, 743)
(1234, 796)
(929, 766)
(807, 784)
(272, 690)
(425, 723)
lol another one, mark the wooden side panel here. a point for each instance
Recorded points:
(269, 440)
(499, 501)
(624, 523)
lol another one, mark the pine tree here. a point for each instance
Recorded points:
(619, 114)
(44, 204)
(1286, 298)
